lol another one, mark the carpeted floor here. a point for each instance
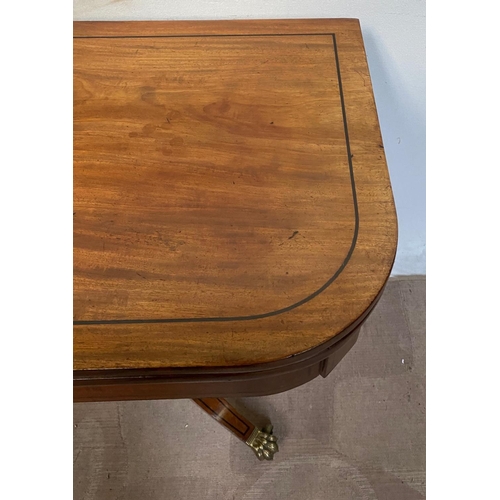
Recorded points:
(358, 434)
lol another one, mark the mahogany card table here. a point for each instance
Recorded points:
(234, 223)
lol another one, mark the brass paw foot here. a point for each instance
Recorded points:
(263, 443)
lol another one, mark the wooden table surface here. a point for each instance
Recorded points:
(232, 203)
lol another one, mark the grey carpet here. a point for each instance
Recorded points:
(359, 434)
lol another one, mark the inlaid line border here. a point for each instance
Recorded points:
(354, 198)
(218, 416)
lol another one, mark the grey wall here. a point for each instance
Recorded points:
(394, 34)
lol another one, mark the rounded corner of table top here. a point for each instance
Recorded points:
(299, 321)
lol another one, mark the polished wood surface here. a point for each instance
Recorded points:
(232, 205)
(178, 383)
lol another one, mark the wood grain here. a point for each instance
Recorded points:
(179, 383)
(209, 197)
(232, 205)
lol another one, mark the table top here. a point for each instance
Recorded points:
(232, 203)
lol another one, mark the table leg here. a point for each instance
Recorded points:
(262, 442)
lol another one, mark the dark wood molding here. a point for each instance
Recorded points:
(118, 385)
